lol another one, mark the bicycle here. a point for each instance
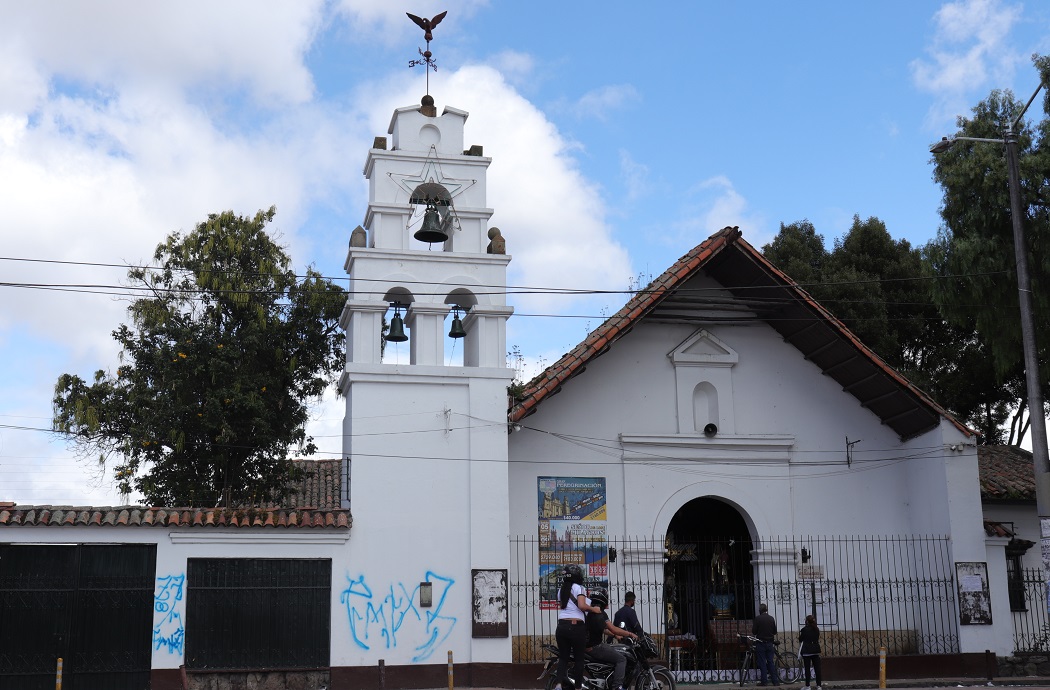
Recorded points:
(786, 663)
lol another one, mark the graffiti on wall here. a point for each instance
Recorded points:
(391, 616)
(168, 630)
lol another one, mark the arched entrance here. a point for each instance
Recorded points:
(709, 581)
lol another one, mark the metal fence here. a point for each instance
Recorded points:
(1028, 603)
(695, 597)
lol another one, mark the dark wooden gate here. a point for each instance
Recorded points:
(89, 604)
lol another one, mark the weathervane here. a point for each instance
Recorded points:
(427, 25)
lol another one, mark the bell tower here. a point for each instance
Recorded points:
(425, 437)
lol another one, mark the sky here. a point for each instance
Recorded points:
(622, 134)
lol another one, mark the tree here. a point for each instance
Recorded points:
(973, 255)
(880, 289)
(216, 371)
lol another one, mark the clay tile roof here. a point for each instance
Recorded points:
(129, 517)
(799, 318)
(1007, 473)
(998, 529)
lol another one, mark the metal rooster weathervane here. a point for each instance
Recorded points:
(427, 25)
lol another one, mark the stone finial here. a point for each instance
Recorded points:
(427, 107)
(497, 245)
(359, 238)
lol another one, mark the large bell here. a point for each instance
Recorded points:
(396, 333)
(457, 330)
(431, 230)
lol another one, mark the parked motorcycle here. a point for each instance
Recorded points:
(640, 675)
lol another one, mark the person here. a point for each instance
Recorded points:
(765, 629)
(626, 618)
(571, 633)
(598, 626)
(809, 636)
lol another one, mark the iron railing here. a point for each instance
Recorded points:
(695, 597)
(1028, 601)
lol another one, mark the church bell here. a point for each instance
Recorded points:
(431, 230)
(457, 330)
(396, 333)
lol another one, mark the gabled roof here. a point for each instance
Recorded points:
(778, 300)
(1007, 473)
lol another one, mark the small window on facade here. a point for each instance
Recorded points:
(1015, 582)
(257, 613)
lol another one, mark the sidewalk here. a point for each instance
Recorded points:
(1034, 682)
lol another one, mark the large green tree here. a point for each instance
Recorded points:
(973, 254)
(879, 287)
(218, 367)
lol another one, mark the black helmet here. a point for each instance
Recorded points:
(600, 598)
(574, 573)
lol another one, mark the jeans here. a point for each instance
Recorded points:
(766, 665)
(607, 654)
(571, 638)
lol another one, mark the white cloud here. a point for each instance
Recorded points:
(969, 52)
(157, 47)
(635, 176)
(598, 103)
(713, 204)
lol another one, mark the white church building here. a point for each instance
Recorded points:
(721, 441)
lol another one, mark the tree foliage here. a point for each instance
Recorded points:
(879, 288)
(973, 254)
(217, 369)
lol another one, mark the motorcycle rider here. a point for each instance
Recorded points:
(599, 625)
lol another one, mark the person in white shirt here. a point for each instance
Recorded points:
(571, 634)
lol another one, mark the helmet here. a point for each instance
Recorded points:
(574, 573)
(600, 598)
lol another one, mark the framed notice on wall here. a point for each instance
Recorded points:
(489, 603)
(975, 604)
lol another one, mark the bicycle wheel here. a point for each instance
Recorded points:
(552, 681)
(787, 667)
(745, 667)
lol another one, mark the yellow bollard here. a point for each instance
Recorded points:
(882, 667)
(450, 669)
(58, 675)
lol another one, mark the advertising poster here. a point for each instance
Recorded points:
(572, 523)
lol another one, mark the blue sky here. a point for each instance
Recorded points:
(622, 134)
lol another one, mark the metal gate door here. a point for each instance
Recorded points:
(89, 604)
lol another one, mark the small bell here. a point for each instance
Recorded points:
(457, 330)
(431, 230)
(396, 333)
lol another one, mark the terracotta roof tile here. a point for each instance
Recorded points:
(998, 529)
(196, 518)
(1007, 473)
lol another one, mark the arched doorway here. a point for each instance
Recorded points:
(709, 580)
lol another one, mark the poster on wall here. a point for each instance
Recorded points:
(975, 604)
(572, 524)
(489, 603)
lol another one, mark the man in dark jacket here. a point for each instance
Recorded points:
(627, 616)
(765, 629)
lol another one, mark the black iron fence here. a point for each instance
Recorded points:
(1028, 603)
(695, 597)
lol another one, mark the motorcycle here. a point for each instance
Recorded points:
(640, 674)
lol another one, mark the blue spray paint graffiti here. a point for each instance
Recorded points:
(369, 616)
(168, 631)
